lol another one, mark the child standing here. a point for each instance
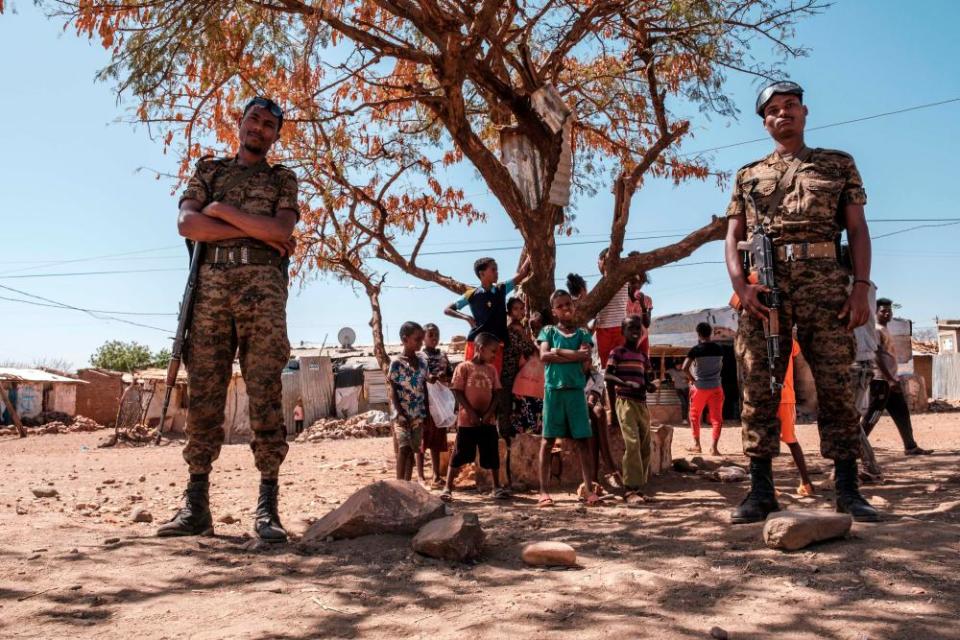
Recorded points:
(488, 305)
(787, 413)
(705, 386)
(565, 350)
(439, 371)
(298, 417)
(528, 387)
(408, 394)
(629, 369)
(475, 383)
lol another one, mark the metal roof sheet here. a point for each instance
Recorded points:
(8, 374)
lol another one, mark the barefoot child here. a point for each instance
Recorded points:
(565, 350)
(629, 369)
(475, 383)
(438, 372)
(408, 394)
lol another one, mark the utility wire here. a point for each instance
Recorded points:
(84, 273)
(89, 312)
(828, 126)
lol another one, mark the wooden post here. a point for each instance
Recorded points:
(13, 411)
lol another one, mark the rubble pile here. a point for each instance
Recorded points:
(942, 406)
(76, 424)
(372, 424)
(138, 434)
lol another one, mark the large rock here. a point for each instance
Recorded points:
(791, 530)
(388, 506)
(458, 538)
(565, 466)
(549, 554)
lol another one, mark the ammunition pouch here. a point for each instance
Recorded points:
(242, 256)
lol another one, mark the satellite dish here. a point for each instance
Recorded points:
(346, 337)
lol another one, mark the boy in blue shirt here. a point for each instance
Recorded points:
(565, 350)
(488, 306)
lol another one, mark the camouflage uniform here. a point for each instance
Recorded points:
(814, 291)
(239, 307)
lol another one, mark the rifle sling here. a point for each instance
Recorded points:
(786, 180)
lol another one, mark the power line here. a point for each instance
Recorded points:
(88, 259)
(828, 126)
(59, 306)
(89, 312)
(919, 226)
(85, 273)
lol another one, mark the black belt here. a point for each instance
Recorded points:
(237, 256)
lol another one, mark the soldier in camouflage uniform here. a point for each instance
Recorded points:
(244, 211)
(820, 193)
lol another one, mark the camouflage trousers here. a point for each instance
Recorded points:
(814, 292)
(238, 310)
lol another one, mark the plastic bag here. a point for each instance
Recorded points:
(442, 405)
(530, 379)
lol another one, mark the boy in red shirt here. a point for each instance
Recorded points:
(475, 383)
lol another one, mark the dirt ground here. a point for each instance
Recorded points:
(671, 569)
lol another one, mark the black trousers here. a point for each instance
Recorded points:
(882, 397)
(684, 395)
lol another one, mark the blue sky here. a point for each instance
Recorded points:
(70, 189)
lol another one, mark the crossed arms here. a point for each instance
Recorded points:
(221, 221)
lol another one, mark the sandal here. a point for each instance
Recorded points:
(545, 501)
(447, 495)
(592, 500)
(501, 494)
(805, 490)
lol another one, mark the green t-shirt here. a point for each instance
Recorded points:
(566, 375)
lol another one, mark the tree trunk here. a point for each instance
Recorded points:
(376, 326)
(542, 251)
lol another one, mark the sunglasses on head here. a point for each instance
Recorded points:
(267, 104)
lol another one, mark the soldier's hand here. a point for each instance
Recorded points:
(856, 309)
(285, 248)
(212, 209)
(750, 300)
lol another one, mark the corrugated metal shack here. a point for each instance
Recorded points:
(33, 391)
(306, 377)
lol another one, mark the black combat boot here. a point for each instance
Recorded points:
(761, 501)
(849, 498)
(267, 522)
(193, 519)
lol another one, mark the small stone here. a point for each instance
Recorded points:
(35, 556)
(141, 515)
(792, 530)
(45, 492)
(729, 474)
(718, 633)
(142, 478)
(458, 538)
(110, 481)
(111, 541)
(227, 519)
(549, 554)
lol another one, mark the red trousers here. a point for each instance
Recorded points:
(712, 399)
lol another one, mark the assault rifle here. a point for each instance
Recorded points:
(760, 256)
(183, 327)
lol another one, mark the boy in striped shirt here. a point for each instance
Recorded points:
(630, 371)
